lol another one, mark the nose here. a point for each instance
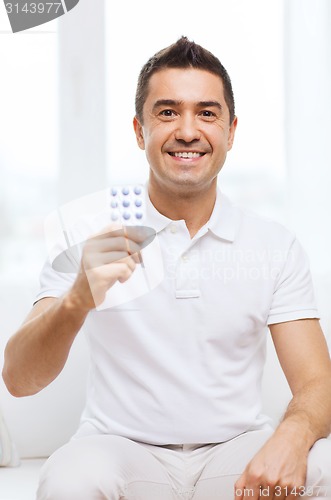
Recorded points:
(187, 129)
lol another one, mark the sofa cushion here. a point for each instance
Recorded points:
(8, 453)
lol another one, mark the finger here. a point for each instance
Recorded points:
(287, 492)
(239, 490)
(138, 238)
(253, 493)
(127, 241)
(278, 495)
(139, 234)
(137, 257)
(238, 494)
(241, 493)
(125, 270)
(110, 257)
(112, 243)
(129, 261)
(102, 278)
(92, 261)
(292, 493)
(266, 491)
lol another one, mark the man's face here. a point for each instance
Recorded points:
(186, 131)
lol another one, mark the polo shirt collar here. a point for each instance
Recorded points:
(223, 221)
(224, 218)
(154, 218)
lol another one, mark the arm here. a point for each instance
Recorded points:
(305, 360)
(38, 351)
(36, 354)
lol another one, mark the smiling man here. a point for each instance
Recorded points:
(186, 129)
(174, 397)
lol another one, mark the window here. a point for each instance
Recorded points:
(57, 82)
(28, 145)
(248, 39)
(67, 102)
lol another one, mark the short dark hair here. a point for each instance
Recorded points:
(183, 54)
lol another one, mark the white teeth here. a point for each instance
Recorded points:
(187, 154)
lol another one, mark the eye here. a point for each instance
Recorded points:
(168, 113)
(206, 113)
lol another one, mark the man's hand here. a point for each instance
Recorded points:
(277, 471)
(108, 257)
(38, 351)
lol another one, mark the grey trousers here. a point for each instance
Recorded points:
(115, 468)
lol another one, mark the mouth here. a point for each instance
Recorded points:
(187, 154)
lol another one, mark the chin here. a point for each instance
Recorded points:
(190, 185)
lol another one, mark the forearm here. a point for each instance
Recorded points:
(281, 463)
(308, 416)
(36, 354)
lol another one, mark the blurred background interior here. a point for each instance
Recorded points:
(66, 108)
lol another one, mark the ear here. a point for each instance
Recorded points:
(139, 133)
(232, 131)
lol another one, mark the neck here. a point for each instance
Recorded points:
(195, 207)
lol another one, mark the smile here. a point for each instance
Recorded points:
(187, 154)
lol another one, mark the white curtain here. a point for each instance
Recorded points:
(308, 135)
(308, 124)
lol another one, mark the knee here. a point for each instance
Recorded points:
(82, 478)
(55, 483)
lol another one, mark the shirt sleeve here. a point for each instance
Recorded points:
(60, 269)
(53, 283)
(65, 251)
(293, 296)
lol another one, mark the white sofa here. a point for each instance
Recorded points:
(39, 424)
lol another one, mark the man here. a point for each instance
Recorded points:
(174, 399)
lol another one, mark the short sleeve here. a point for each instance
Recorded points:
(53, 283)
(293, 296)
(65, 243)
(60, 269)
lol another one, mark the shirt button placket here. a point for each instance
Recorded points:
(188, 273)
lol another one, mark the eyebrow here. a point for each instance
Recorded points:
(166, 102)
(200, 104)
(210, 104)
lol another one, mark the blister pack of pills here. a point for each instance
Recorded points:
(127, 204)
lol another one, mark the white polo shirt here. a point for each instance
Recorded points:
(178, 358)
